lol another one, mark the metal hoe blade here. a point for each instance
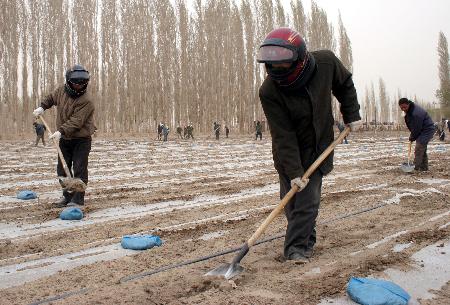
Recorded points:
(407, 168)
(228, 271)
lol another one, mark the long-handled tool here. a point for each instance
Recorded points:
(408, 167)
(231, 270)
(68, 183)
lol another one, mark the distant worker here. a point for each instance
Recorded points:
(422, 129)
(227, 131)
(40, 131)
(190, 131)
(160, 131)
(341, 128)
(217, 130)
(441, 129)
(258, 129)
(179, 132)
(165, 131)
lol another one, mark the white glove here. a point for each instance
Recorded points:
(38, 111)
(354, 126)
(301, 183)
(56, 135)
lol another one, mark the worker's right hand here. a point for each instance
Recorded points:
(38, 111)
(56, 135)
(300, 182)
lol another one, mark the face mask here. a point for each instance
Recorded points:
(279, 70)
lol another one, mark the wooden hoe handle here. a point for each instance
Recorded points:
(294, 189)
(61, 157)
(409, 151)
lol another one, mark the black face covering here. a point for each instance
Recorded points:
(76, 75)
(281, 75)
(74, 93)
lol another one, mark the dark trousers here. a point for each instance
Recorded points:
(421, 157)
(258, 134)
(76, 153)
(301, 213)
(39, 137)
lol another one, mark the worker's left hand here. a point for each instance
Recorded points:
(300, 182)
(354, 126)
(56, 135)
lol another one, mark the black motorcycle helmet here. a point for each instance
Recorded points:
(77, 80)
(286, 46)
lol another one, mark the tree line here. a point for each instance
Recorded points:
(149, 61)
(153, 61)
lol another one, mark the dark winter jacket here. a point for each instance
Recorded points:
(74, 116)
(285, 112)
(419, 124)
(258, 127)
(40, 129)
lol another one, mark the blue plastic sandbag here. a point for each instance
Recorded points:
(26, 195)
(368, 291)
(140, 242)
(71, 214)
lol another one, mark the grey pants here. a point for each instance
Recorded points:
(421, 157)
(39, 137)
(301, 213)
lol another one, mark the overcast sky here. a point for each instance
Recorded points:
(393, 39)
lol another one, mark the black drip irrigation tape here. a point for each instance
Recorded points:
(195, 260)
(200, 259)
(204, 258)
(61, 296)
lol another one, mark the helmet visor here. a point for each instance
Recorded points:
(275, 54)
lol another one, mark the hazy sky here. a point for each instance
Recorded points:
(393, 39)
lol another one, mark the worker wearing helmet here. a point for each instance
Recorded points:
(75, 126)
(296, 98)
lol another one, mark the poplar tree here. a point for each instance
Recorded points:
(345, 47)
(443, 93)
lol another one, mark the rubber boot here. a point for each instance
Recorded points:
(61, 203)
(77, 199)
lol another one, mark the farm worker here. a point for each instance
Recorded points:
(160, 130)
(40, 130)
(75, 126)
(296, 99)
(422, 129)
(341, 128)
(217, 130)
(190, 131)
(165, 131)
(179, 132)
(258, 128)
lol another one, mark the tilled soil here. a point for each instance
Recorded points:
(202, 198)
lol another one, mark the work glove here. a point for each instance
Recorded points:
(56, 136)
(354, 126)
(300, 182)
(38, 111)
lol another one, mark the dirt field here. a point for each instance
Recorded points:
(205, 197)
